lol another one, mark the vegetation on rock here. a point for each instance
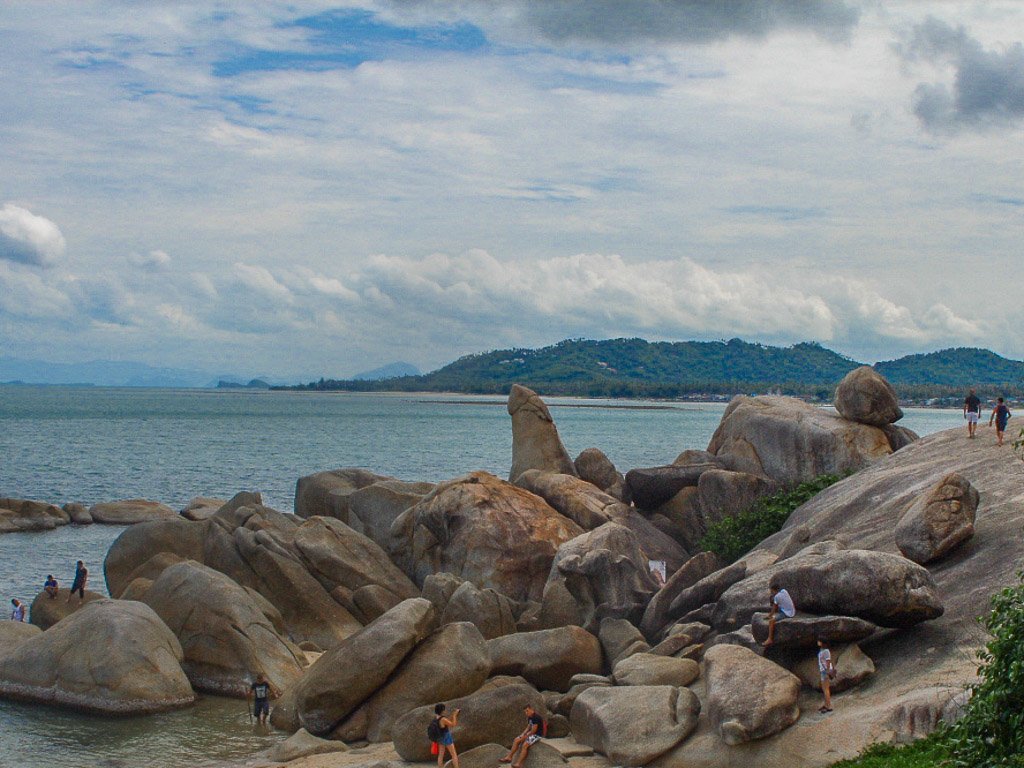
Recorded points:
(732, 537)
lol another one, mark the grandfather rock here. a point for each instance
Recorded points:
(47, 611)
(130, 512)
(110, 657)
(485, 531)
(804, 630)
(853, 667)
(939, 520)
(26, 515)
(748, 697)
(632, 725)
(327, 493)
(649, 669)
(865, 396)
(535, 440)
(547, 658)
(224, 634)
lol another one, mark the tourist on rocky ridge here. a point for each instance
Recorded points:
(1000, 414)
(522, 743)
(972, 411)
(50, 587)
(18, 611)
(827, 671)
(781, 603)
(445, 741)
(78, 585)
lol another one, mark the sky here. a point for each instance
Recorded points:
(314, 189)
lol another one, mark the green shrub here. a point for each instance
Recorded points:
(732, 537)
(931, 752)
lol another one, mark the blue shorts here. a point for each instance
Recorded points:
(447, 740)
(261, 706)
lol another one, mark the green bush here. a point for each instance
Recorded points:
(732, 537)
(930, 752)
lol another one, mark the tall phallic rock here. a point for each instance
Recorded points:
(535, 440)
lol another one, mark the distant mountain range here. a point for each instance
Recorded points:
(638, 368)
(390, 371)
(110, 373)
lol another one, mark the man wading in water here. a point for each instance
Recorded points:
(260, 692)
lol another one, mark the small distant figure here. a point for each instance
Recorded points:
(18, 610)
(1000, 414)
(659, 571)
(78, 585)
(50, 587)
(827, 672)
(441, 734)
(261, 691)
(526, 739)
(972, 412)
(780, 607)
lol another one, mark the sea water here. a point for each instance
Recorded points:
(84, 444)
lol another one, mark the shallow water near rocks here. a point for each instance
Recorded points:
(62, 444)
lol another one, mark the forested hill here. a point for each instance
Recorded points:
(637, 368)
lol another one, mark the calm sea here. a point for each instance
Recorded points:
(60, 444)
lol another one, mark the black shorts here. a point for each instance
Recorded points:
(79, 588)
(261, 706)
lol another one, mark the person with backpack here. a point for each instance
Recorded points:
(827, 673)
(1000, 414)
(535, 729)
(440, 733)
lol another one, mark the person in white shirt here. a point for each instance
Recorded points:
(18, 611)
(827, 671)
(781, 603)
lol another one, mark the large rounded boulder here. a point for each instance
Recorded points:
(109, 657)
(939, 520)
(47, 611)
(865, 396)
(483, 530)
(130, 512)
(327, 493)
(27, 515)
(547, 658)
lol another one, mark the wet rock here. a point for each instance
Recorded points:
(79, 513)
(303, 744)
(535, 440)
(939, 520)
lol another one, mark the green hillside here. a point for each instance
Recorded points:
(638, 368)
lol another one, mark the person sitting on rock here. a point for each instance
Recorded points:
(50, 587)
(261, 692)
(445, 739)
(18, 611)
(526, 739)
(827, 672)
(781, 603)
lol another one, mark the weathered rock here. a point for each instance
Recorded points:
(483, 530)
(13, 633)
(547, 658)
(535, 440)
(597, 469)
(47, 611)
(438, 588)
(683, 511)
(620, 639)
(696, 568)
(865, 396)
(633, 725)
(489, 716)
(722, 493)
(563, 704)
(373, 509)
(650, 487)
(450, 663)
(79, 513)
(372, 601)
(606, 575)
(804, 630)
(706, 591)
(939, 520)
(583, 503)
(649, 669)
(490, 611)
(790, 441)
(899, 437)
(110, 657)
(303, 744)
(137, 590)
(541, 755)
(853, 667)
(748, 697)
(887, 589)
(349, 672)
(224, 634)
(327, 493)
(26, 515)
(130, 512)
(202, 507)
(180, 537)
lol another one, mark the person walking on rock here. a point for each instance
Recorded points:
(1000, 414)
(443, 730)
(526, 739)
(972, 412)
(18, 610)
(78, 585)
(827, 673)
(260, 692)
(781, 603)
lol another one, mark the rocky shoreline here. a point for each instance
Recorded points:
(377, 597)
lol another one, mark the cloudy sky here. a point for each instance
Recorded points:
(305, 189)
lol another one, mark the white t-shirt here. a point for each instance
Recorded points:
(18, 614)
(785, 603)
(824, 659)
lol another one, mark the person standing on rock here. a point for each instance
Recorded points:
(781, 603)
(972, 411)
(78, 585)
(827, 672)
(1000, 414)
(526, 739)
(260, 692)
(445, 740)
(18, 610)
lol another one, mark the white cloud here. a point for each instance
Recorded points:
(28, 238)
(155, 260)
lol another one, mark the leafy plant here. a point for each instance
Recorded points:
(929, 752)
(732, 537)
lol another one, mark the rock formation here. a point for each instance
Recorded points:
(25, 515)
(130, 512)
(865, 396)
(547, 658)
(939, 520)
(535, 440)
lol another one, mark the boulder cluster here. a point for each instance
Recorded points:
(378, 598)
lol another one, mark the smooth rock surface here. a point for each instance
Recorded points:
(535, 440)
(696, 568)
(864, 395)
(651, 669)
(373, 509)
(12, 633)
(547, 658)
(804, 630)
(27, 515)
(47, 611)
(130, 512)
(939, 520)
(620, 639)
(327, 493)
(597, 469)
(853, 667)
(490, 611)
